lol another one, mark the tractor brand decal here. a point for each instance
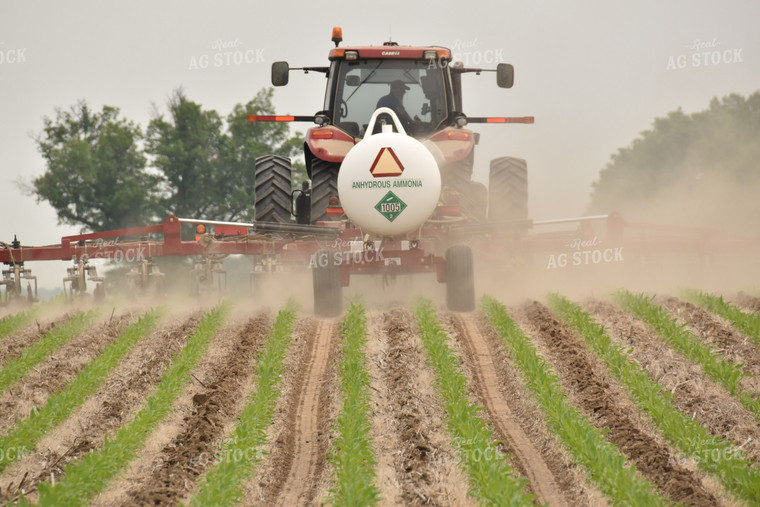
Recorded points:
(390, 206)
(584, 254)
(406, 183)
(386, 164)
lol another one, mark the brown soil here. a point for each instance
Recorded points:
(486, 382)
(570, 479)
(112, 406)
(13, 345)
(305, 438)
(751, 303)
(695, 395)
(605, 404)
(58, 370)
(192, 450)
(719, 333)
(421, 466)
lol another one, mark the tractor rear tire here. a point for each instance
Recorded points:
(273, 202)
(324, 184)
(328, 291)
(474, 204)
(508, 190)
(460, 279)
(471, 195)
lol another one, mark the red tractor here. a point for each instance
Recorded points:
(424, 88)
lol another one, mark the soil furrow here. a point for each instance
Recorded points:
(409, 419)
(58, 370)
(195, 447)
(719, 333)
(114, 403)
(306, 435)
(608, 408)
(13, 346)
(695, 395)
(530, 463)
(287, 435)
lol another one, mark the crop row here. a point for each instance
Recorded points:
(27, 432)
(747, 323)
(86, 477)
(713, 454)
(12, 323)
(605, 463)
(242, 450)
(352, 454)
(491, 481)
(17, 367)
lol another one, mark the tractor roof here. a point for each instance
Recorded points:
(390, 51)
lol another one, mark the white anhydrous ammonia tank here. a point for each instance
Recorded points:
(389, 183)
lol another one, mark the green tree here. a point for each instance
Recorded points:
(193, 164)
(186, 151)
(699, 169)
(95, 173)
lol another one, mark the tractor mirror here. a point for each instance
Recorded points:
(505, 75)
(280, 72)
(353, 80)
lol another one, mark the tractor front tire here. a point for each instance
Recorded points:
(460, 279)
(273, 189)
(328, 291)
(508, 190)
(324, 184)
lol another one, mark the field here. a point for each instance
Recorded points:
(622, 399)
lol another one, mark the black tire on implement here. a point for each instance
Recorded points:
(328, 291)
(273, 189)
(324, 184)
(460, 279)
(508, 190)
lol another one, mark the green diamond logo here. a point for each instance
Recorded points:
(390, 206)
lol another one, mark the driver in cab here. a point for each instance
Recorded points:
(395, 101)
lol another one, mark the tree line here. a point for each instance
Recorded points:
(104, 172)
(698, 169)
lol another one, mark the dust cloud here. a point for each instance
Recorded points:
(702, 230)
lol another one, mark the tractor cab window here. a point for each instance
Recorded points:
(414, 89)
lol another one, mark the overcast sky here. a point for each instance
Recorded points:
(593, 73)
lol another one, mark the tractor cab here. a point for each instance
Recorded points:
(418, 90)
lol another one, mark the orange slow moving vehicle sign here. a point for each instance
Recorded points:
(386, 164)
